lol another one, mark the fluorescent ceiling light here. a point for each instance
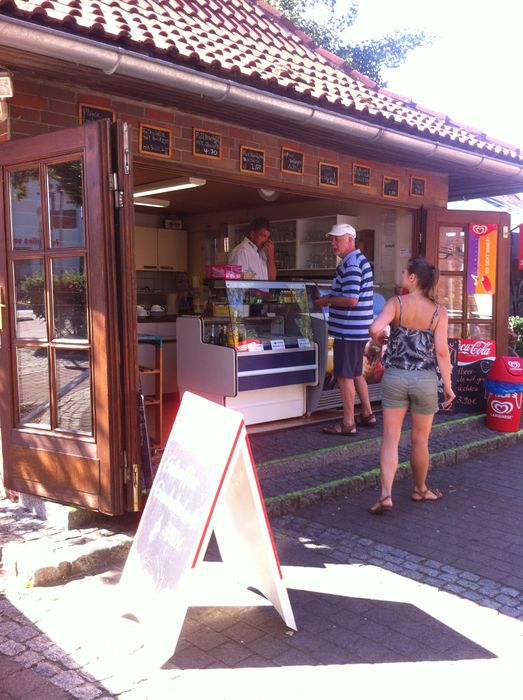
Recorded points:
(179, 183)
(150, 202)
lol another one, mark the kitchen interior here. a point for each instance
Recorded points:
(183, 224)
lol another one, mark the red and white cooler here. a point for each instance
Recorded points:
(503, 404)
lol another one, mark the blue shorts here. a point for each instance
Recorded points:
(417, 390)
(348, 358)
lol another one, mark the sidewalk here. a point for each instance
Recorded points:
(419, 601)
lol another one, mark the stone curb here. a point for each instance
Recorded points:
(291, 502)
(44, 563)
(338, 453)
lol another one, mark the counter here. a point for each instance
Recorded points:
(257, 355)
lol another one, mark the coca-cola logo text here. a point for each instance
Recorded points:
(476, 350)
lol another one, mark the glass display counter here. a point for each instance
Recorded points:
(252, 349)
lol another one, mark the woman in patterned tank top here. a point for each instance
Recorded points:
(416, 347)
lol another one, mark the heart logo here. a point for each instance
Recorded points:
(479, 230)
(501, 407)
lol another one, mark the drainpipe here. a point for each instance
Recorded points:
(110, 60)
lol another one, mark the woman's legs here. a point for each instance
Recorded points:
(392, 423)
(419, 456)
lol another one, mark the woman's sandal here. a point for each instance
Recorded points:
(366, 421)
(340, 429)
(379, 508)
(423, 495)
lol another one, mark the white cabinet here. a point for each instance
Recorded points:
(161, 249)
(300, 244)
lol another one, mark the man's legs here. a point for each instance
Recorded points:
(348, 394)
(363, 392)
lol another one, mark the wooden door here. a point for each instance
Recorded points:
(63, 436)
(447, 241)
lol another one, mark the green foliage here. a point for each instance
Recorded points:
(327, 24)
(515, 324)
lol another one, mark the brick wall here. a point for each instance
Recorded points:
(41, 107)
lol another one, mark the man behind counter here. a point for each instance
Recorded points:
(255, 253)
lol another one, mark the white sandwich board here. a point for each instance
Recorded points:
(206, 482)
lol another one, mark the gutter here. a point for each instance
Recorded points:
(43, 41)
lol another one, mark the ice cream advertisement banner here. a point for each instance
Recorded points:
(481, 262)
(520, 251)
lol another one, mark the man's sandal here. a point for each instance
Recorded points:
(424, 497)
(340, 429)
(379, 507)
(366, 421)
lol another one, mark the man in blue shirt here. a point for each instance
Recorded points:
(350, 314)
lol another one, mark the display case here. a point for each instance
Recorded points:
(252, 349)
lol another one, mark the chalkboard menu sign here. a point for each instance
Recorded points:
(206, 144)
(417, 186)
(292, 161)
(329, 175)
(475, 359)
(360, 175)
(155, 141)
(391, 187)
(92, 113)
(252, 160)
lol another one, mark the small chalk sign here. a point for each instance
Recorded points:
(206, 144)
(360, 175)
(252, 160)
(417, 186)
(155, 141)
(92, 113)
(329, 175)
(292, 161)
(391, 187)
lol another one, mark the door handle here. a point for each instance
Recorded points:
(2, 306)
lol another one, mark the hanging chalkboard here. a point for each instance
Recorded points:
(155, 141)
(206, 144)
(417, 186)
(92, 113)
(360, 175)
(391, 187)
(329, 175)
(252, 160)
(292, 161)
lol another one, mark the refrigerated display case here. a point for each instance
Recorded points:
(252, 349)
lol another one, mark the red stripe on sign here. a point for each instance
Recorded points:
(273, 544)
(211, 511)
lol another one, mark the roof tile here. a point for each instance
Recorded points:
(254, 42)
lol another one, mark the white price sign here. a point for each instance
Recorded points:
(278, 344)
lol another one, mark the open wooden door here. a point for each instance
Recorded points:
(64, 434)
(456, 241)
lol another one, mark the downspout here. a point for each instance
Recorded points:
(116, 61)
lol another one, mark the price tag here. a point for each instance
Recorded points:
(255, 347)
(278, 344)
(304, 343)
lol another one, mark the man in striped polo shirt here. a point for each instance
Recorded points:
(350, 314)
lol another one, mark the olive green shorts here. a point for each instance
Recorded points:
(417, 390)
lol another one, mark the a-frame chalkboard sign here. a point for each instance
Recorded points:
(206, 482)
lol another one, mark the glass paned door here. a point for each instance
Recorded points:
(46, 205)
(61, 405)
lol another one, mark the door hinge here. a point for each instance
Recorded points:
(118, 194)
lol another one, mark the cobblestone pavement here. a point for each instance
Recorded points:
(424, 601)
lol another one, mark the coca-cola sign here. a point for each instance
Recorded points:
(476, 351)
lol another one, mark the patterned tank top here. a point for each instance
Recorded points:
(410, 348)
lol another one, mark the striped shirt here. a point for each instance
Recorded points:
(353, 279)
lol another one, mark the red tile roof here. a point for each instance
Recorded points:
(249, 41)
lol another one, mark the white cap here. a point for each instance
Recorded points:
(342, 230)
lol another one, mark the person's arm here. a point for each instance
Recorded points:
(271, 262)
(385, 318)
(340, 302)
(441, 347)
